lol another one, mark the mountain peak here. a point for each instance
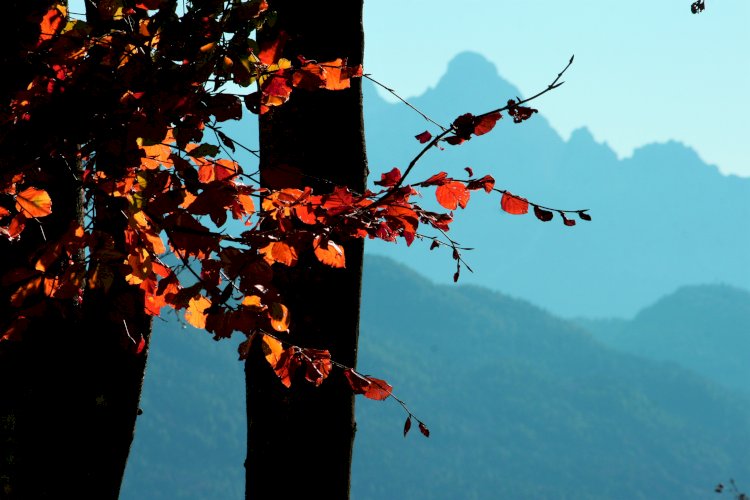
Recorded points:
(477, 80)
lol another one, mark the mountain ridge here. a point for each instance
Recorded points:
(659, 215)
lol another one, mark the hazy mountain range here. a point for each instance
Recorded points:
(661, 219)
(521, 404)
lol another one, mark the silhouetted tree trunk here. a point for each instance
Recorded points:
(71, 383)
(300, 439)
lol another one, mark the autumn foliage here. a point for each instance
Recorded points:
(150, 101)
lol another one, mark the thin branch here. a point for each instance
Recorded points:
(393, 92)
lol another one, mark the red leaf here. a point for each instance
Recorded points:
(542, 215)
(566, 221)
(378, 389)
(464, 126)
(407, 425)
(149, 4)
(469, 171)
(519, 113)
(370, 387)
(318, 365)
(487, 183)
(141, 345)
(485, 123)
(424, 137)
(436, 180)
(389, 179)
(454, 140)
(424, 430)
(514, 204)
(357, 382)
(452, 194)
(583, 215)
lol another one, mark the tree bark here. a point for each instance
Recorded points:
(300, 439)
(70, 385)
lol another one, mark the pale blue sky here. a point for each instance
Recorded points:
(645, 70)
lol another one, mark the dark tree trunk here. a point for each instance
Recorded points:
(70, 385)
(300, 439)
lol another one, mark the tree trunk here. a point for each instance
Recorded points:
(70, 384)
(300, 439)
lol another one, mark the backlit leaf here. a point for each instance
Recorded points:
(514, 204)
(485, 123)
(370, 387)
(51, 22)
(196, 311)
(438, 179)
(34, 202)
(452, 195)
(272, 349)
(279, 315)
(281, 252)
(329, 253)
(378, 389)
(389, 179)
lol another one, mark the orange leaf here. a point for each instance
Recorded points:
(51, 22)
(272, 349)
(279, 315)
(337, 74)
(196, 311)
(452, 194)
(278, 251)
(34, 202)
(514, 204)
(331, 255)
(15, 228)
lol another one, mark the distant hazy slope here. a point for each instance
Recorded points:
(524, 405)
(703, 328)
(521, 405)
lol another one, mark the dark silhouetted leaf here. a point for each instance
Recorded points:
(542, 214)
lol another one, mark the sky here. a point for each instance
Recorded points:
(645, 71)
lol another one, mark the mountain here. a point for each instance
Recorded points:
(703, 328)
(662, 218)
(520, 403)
